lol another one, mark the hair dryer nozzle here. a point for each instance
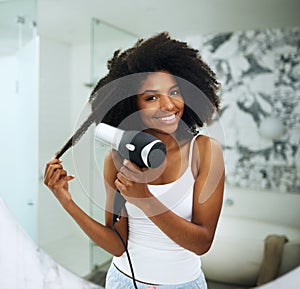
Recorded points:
(109, 135)
(139, 147)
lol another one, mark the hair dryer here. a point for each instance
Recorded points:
(142, 148)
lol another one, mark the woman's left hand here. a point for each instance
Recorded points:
(132, 182)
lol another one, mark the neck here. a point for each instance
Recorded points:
(170, 140)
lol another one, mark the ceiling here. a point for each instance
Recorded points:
(69, 20)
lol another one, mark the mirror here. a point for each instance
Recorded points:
(259, 71)
(19, 110)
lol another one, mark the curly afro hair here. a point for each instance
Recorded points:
(114, 97)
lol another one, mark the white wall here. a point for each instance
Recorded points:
(54, 129)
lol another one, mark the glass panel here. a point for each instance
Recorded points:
(104, 41)
(19, 110)
(17, 24)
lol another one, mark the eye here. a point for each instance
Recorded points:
(175, 92)
(151, 97)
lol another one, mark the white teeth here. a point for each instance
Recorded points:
(170, 117)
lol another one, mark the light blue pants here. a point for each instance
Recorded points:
(116, 280)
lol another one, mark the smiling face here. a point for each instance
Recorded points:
(160, 103)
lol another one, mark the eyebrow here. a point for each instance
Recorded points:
(153, 90)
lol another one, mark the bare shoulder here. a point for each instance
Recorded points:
(206, 144)
(205, 151)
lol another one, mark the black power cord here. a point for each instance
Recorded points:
(119, 202)
(127, 253)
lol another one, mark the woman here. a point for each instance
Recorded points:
(171, 212)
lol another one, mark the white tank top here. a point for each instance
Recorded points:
(156, 259)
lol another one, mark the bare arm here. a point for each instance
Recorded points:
(197, 235)
(56, 179)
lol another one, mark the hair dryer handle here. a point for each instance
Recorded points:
(119, 202)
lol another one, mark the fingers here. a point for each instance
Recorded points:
(131, 166)
(122, 182)
(51, 170)
(57, 175)
(52, 162)
(129, 175)
(61, 183)
(122, 179)
(132, 172)
(120, 186)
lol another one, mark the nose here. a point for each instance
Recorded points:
(166, 103)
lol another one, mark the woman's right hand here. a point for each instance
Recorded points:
(56, 179)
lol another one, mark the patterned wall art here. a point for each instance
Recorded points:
(260, 75)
